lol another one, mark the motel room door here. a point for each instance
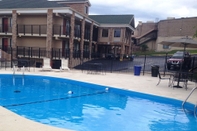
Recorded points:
(5, 44)
(5, 24)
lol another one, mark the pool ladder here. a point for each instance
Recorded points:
(22, 69)
(188, 98)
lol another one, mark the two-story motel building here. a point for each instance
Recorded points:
(34, 29)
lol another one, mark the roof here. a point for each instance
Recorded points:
(73, 1)
(70, 1)
(13, 4)
(112, 19)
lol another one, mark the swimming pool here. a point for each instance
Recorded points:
(91, 107)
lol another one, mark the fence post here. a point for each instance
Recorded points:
(164, 72)
(144, 64)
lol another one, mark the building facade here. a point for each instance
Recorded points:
(59, 29)
(170, 28)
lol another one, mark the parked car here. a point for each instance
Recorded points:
(179, 59)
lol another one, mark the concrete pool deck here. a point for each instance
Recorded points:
(12, 122)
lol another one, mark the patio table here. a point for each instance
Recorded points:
(180, 75)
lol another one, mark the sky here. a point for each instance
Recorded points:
(145, 10)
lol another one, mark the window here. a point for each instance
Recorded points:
(105, 33)
(86, 9)
(165, 47)
(78, 30)
(67, 27)
(117, 32)
(10, 22)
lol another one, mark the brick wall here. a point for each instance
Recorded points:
(49, 31)
(144, 28)
(90, 42)
(177, 27)
(79, 7)
(14, 28)
(71, 39)
(82, 37)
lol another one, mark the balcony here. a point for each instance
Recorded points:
(5, 30)
(41, 30)
(152, 35)
(61, 31)
(58, 31)
(32, 30)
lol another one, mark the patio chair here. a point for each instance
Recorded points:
(169, 78)
(46, 64)
(64, 64)
(182, 78)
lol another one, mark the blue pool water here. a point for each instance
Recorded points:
(91, 107)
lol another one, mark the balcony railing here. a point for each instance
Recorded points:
(32, 29)
(41, 30)
(150, 36)
(60, 30)
(5, 29)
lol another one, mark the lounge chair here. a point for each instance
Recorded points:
(64, 64)
(46, 64)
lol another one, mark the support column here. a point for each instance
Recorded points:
(122, 51)
(49, 38)
(14, 33)
(90, 43)
(130, 44)
(71, 39)
(82, 37)
(14, 29)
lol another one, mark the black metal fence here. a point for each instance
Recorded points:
(127, 65)
(96, 62)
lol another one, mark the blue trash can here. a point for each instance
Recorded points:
(137, 70)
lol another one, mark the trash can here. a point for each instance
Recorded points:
(131, 58)
(137, 70)
(154, 70)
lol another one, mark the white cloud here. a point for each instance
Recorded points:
(146, 10)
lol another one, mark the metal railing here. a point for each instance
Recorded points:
(32, 29)
(5, 29)
(112, 64)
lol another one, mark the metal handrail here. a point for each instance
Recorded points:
(195, 109)
(187, 99)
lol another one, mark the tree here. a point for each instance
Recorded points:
(195, 34)
(144, 47)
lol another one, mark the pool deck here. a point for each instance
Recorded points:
(144, 83)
